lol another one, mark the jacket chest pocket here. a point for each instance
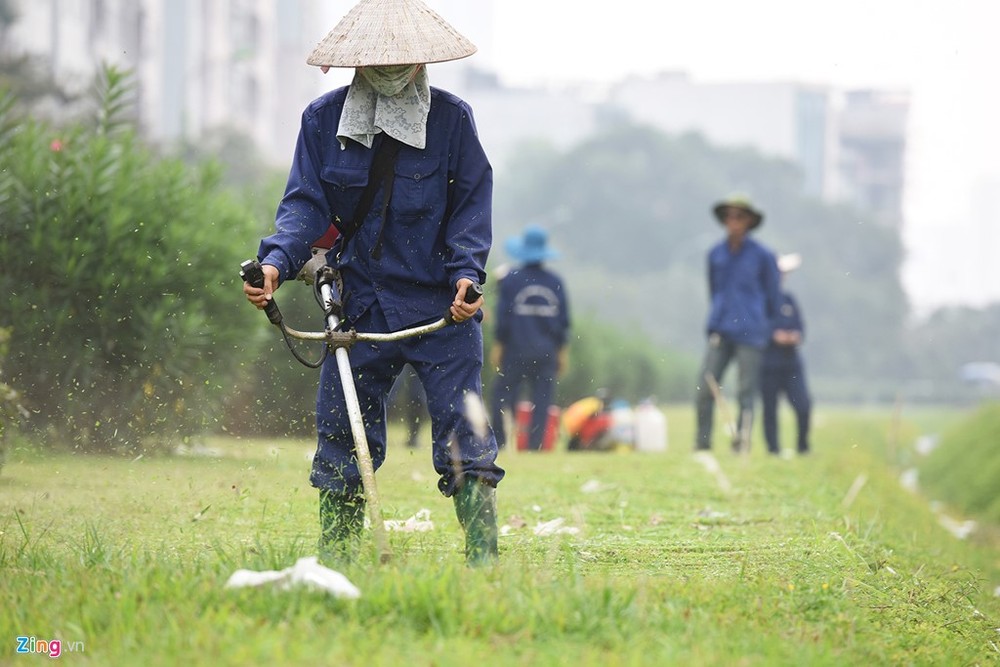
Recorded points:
(342, 187)
(419, 186)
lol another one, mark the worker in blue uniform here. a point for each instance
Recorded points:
(398, 168)
(531, 335)
(782, 369)
(744, 289)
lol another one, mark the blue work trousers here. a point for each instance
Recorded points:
(448, 363)
(537, 377)
(791, 380)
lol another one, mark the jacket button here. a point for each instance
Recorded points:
(416, 177)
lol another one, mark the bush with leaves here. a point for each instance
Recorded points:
(119, 277)
(11, 410)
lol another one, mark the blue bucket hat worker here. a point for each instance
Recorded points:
(532, 330)
(783, 369)
(397, 167)
(745, 296)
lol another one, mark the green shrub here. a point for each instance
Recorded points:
(626, 362)
(11, 410)
(119, 280)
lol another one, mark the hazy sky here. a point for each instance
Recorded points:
(946, 53)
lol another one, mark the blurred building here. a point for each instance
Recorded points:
(850, 146)
(871, 151)
(786, 120)
(207, 66)
(508, 119)
(199, 66)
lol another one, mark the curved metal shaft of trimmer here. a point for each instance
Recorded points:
(363, 454)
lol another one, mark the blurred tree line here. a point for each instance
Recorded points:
(631, 210)
(128, 329)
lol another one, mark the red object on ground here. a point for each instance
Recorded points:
(593, 429)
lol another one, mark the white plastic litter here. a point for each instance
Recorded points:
(418, 523)
(926, 444)
(909, 479)
(555, 527)
(593, 486)
(959, 529)
(650, 428)
(306, 572)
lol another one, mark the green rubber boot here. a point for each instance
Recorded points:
(341, 519)
(475, 505)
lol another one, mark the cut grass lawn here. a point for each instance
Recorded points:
(130, 558)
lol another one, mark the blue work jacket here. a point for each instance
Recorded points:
(745, 292)
(532, 313)
(789, 318)
(438, 227)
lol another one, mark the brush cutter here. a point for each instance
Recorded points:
(328, 293)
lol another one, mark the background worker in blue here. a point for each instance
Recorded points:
(782, 369)
(406, 260)
(532, 330)
(744, 289)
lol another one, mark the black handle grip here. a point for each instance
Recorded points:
(252, 273)
(472, 294)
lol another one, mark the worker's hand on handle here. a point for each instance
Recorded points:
(460, 310)
(260, 296)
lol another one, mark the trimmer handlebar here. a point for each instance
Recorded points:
(253, 274)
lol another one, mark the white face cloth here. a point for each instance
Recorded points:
(387, 99)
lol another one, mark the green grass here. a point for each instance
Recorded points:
(130, 557)
(965, 467)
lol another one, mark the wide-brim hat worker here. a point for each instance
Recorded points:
(532, 246)
(374, 157)
(382, 33)
(738, 202)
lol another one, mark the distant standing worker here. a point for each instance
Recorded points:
(532, 329)
(744, 288)
(783, 370)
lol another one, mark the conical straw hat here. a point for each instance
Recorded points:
(390, 32)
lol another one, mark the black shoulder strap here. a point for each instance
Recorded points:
(381, 172)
